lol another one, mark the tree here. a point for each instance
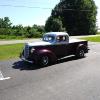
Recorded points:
(78, 16)
(54, 24)
(5, 22)
(1, 22)
(17, 30)
(39, 28)
(6, 28)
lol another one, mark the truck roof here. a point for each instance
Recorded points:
(56, 33)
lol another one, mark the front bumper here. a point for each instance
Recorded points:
(24, 59)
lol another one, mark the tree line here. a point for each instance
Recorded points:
(6, 28)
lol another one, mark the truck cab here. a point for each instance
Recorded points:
(54, 45)
(56, 37)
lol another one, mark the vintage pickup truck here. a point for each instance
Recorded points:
(54, 45)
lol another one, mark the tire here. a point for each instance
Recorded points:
(80, 53)
(44, 60)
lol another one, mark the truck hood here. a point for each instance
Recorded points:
(39, 43)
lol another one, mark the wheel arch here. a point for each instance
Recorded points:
(47, 52)
(81, 50)
(82, 46)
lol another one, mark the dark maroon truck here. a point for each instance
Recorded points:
(54, 45)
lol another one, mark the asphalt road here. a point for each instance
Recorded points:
(4, 42)
(69, 79)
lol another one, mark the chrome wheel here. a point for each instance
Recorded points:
(44, 60)
(81, 53)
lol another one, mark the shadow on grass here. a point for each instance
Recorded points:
(22, 65)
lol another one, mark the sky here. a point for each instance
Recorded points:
(30, 12)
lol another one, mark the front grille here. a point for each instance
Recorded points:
(26, 51)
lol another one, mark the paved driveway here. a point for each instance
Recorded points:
(69, 79)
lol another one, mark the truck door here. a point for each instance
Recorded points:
(61, 46)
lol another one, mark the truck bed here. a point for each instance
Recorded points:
(75, 40)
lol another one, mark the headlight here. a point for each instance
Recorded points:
(32, 50)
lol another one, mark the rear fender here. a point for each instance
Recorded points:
(82, 46)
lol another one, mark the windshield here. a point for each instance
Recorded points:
(48, 38)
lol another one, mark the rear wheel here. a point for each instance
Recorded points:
(80, 53)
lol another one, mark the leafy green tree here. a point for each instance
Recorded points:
(6, 28)
(5, 22)
(39, 28)
(1, 22)
(17, 30)
(54, 24)
(29, 31)
(78, 16)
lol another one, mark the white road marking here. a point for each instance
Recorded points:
(2, 77)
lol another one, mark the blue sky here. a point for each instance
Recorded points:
(29, 16)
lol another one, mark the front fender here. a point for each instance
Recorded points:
(52, 56)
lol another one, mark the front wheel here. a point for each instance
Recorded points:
(44, 60)
(80, 53)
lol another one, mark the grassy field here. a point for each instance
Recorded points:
(92, 39)
(10, 51)
(10, 37)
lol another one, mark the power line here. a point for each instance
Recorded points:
(22, 6)
(48, 2)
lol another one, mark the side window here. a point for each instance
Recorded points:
(61, 38)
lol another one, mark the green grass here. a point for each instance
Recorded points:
(10, 37)
(92, 39)
(98, 33)
(10, 51)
